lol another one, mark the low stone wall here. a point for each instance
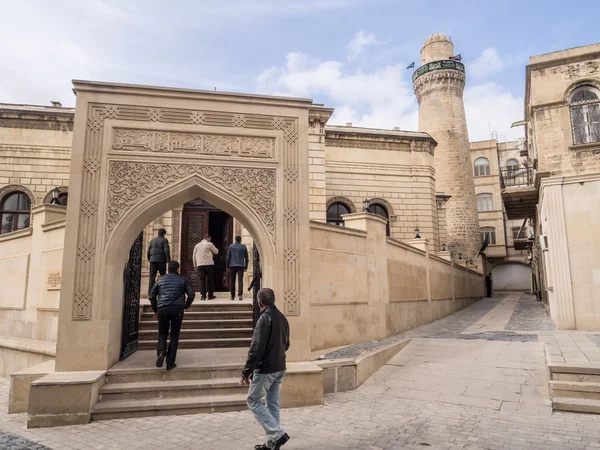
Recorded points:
(365, 286)
(30, 276)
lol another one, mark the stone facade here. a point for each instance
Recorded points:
(439, 84)
(564, 148)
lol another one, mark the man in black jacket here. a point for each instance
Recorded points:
(159, 255)
(265, 366)
(168, 302)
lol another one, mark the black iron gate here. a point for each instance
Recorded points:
(132, 277)
(256, 283)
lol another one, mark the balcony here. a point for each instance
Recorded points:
(519, 193)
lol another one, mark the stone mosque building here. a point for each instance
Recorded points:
(362, 233)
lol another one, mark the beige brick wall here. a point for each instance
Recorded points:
(36, 159)
(316, 169)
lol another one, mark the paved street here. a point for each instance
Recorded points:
(474, 380)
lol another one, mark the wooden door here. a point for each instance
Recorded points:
(194, 227)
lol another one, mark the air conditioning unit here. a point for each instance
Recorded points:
(543, 242)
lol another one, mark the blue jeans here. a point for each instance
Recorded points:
(267, 385)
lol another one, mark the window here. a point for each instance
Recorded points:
(515, 232)
(512, 167)
(488, 231)
(335, 213)
(381, 210)
(482, 167)
(63, 198)
(485, 202)
(585, 115)
(14, 212)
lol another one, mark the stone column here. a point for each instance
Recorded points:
(317, 186)
(439, 84)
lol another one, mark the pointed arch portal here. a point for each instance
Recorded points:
(140, 151)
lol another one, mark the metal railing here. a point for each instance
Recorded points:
(510, 177)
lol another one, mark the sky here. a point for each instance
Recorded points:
(348, 54)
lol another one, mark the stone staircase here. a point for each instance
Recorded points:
(213, 344)
(207, 324)
(575, 388)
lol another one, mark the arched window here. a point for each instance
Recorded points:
(335, 212)
(14, 212)
(482, 167)
(512, 167)
(382, 211)
(63, 198)
(485, 202)
(488, 231)
(585, 115)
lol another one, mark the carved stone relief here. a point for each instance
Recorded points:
(193, 143)
(131, 182)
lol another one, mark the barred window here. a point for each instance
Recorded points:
(14, 212)
(585, 115)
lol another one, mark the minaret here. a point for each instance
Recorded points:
(439, 84)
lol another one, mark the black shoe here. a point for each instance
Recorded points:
(232, 298)
(171, 367)
(202, 298)
(160, 359)
(261, 447)
(211, 297)
(281, 441)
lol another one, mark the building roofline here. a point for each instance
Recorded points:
(172, 92)
(379, 132)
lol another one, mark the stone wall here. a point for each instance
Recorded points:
(31, 275)
(365, 286)
(393, 169)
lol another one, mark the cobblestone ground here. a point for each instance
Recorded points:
(445, 391)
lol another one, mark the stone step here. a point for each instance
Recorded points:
(156, 374)
(121, 409)
(575, 377)
(205, 315)
(573, 389)
(581, 405)
(202, 324)
(199, 306)
(200, 333)
(148, 390)
(200, 343)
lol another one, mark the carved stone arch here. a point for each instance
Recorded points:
(48, 197)
(18, 188)
(339, 199)
(386, 204)
(593, 83)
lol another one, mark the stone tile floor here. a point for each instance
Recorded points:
(446, 390)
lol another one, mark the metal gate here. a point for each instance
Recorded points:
(256, 283)
(132, 277)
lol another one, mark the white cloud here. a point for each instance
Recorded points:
(383, 97)
(359, 42)
(490, 107)
(380, 98)
(488, 63)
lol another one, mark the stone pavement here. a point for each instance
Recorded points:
(447, 390)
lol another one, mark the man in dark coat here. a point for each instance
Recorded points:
(168, 299)
(159, 255)
(488, 284)
(266, 367)
(237, 264)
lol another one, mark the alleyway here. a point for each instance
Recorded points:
(474, 380)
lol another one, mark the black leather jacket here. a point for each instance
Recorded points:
(270, 341)
(169, 292)
(159, 251)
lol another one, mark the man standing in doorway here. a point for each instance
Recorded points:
(488, 284)
(159, 255)
(265, 366)
(168, 302)
(237, 264)
(205, 265)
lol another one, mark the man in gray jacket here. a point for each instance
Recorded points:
(237, 264)
(159, 255)
(168, 300)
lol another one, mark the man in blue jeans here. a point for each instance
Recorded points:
(237, 263)
(265, 366)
